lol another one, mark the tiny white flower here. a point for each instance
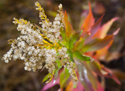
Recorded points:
(60, 6)
(25, 68)
(6, 61)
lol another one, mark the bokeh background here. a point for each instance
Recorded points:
(13, 77)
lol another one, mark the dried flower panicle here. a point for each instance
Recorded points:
(38, 46)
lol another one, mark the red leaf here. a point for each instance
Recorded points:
(100, 88)
(89, 21)
(110, 74)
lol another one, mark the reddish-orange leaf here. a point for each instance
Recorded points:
(69, 86)
(101, 54)
(104, 29)
(89, 21)
(96, 44)
(100, 88)
(68, 27)
(94, 29)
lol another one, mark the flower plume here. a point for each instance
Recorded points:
(39, 47)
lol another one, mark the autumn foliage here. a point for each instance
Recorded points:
(86, 47)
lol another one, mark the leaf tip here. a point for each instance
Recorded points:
(116, 32)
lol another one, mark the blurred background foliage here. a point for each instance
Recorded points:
(13, 77)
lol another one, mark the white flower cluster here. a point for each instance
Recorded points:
(51, 30)
(25, 47)
(38, 47)
(71, 67)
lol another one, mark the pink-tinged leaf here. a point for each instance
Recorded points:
(96, 44)
(89, 21)
(68, 27)
(83, 77)
(95, 66)
(101, 70)
(100, 88)
(94, 29)
(51, 84)
(104, 29)
(110, 74)
(79, 87)
(91, 77)
(116, 32)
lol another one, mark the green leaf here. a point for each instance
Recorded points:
(96, 44)
(58, 63)
(74, 38)
(80, 56)
(57, 54)
(56, 73)
(64, 43)
(64, 77)
(95, 66)
(79, 44)
(62, 31)
(59, 67)
(75, 85)
(46, 77)
(71, 55)
(52, 13)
